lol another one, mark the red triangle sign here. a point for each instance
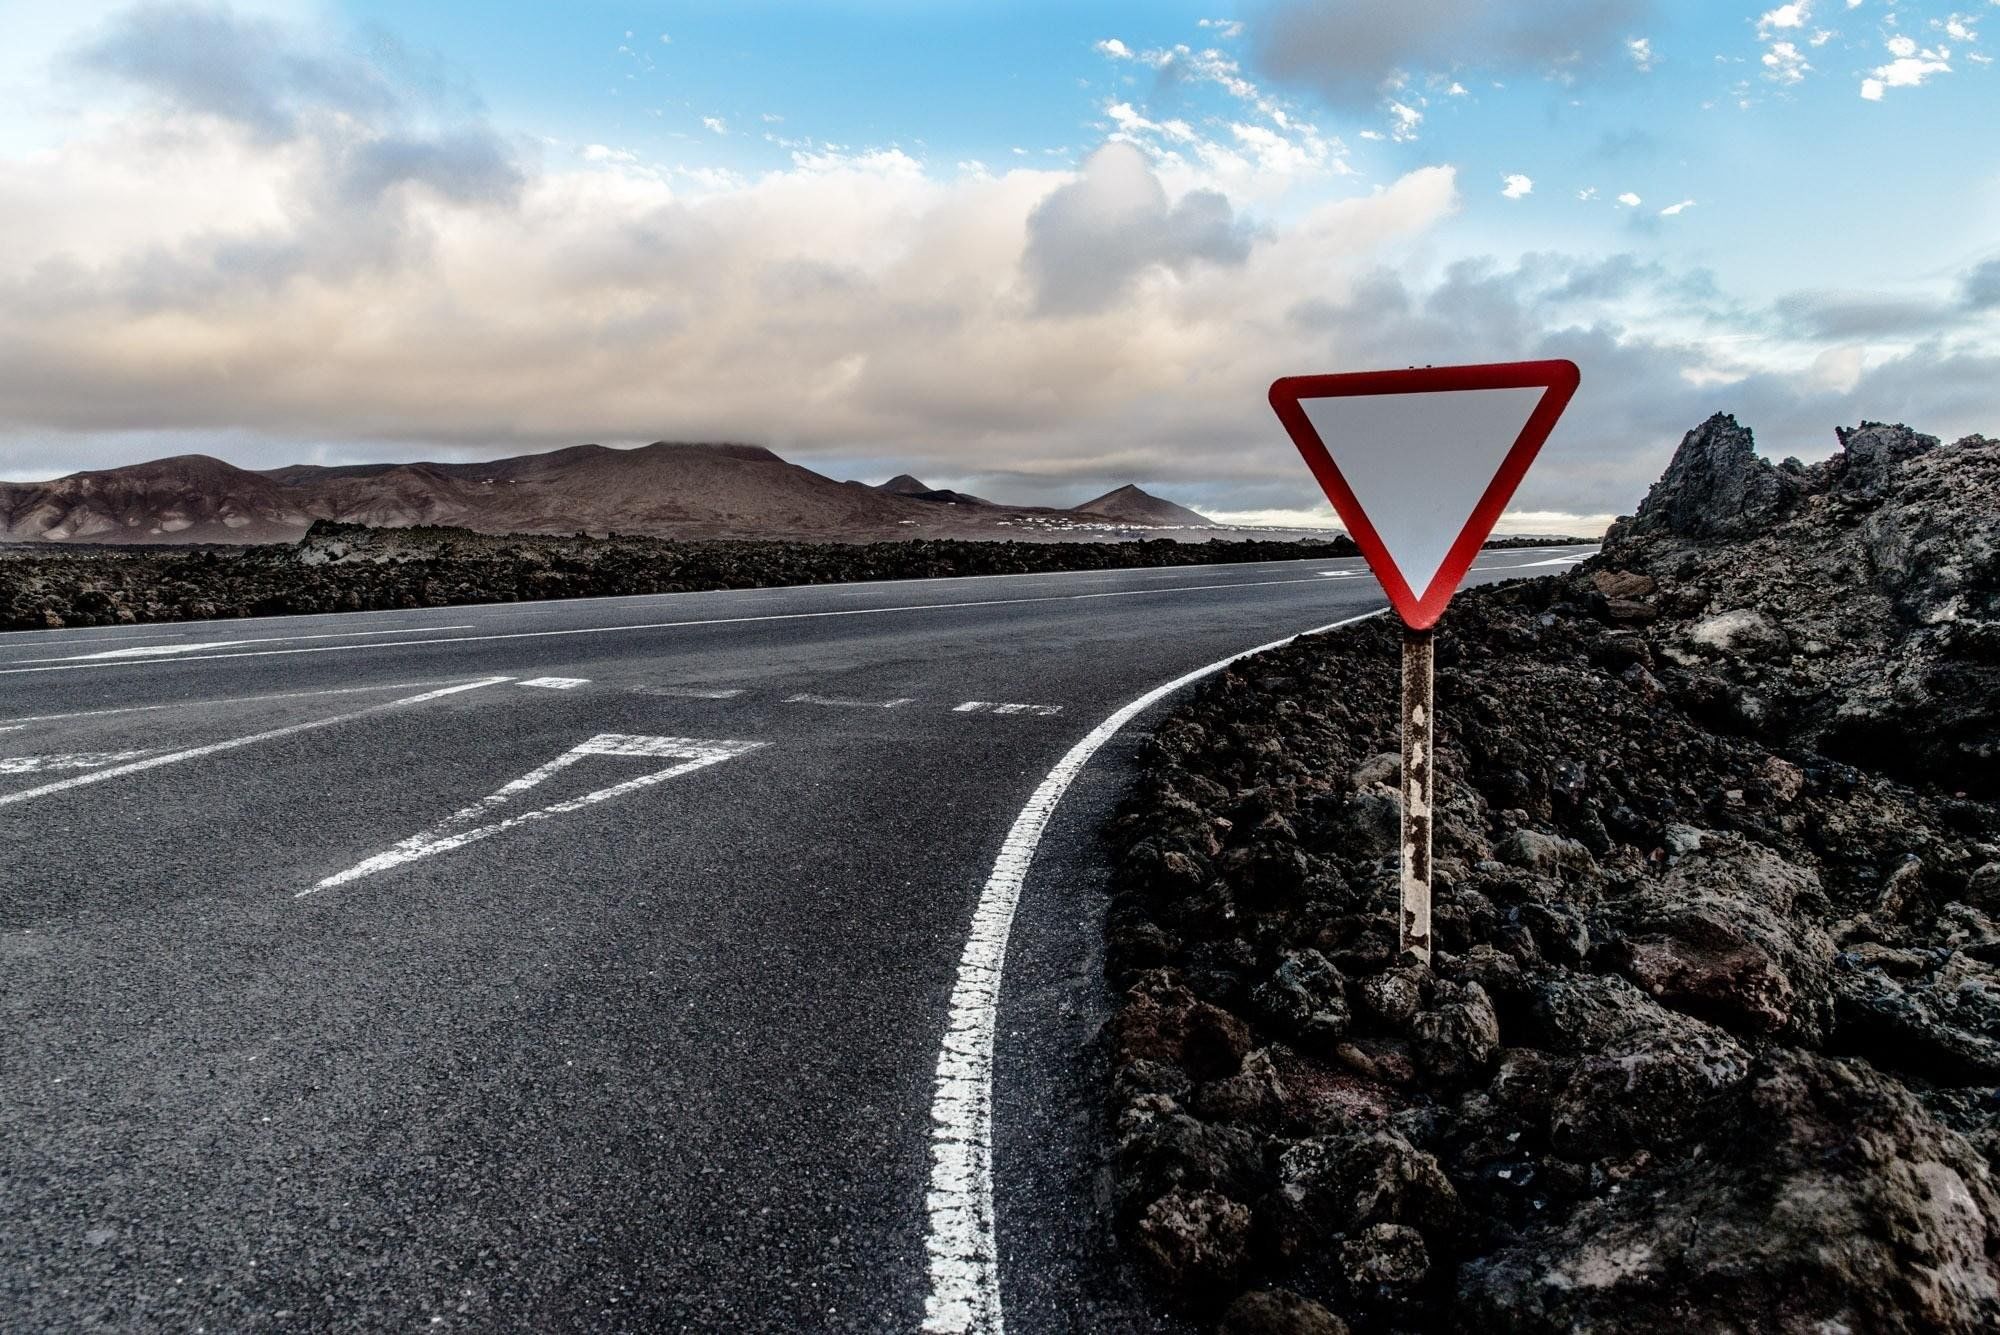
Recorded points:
(1415, 452)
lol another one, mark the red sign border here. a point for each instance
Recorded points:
(1557, 378)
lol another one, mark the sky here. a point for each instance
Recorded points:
(1031, 250)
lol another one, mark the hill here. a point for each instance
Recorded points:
(691, 491)
(1134, 506)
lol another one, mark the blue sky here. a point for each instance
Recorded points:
(1027, 249)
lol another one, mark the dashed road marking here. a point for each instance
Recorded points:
(963, 1250)
(555, 683)
(70, 760)
(990, 707)
(808, 698)
(216, 748)
(688, 692)
(692, 754)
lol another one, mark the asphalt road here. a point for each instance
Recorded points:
(568, 966)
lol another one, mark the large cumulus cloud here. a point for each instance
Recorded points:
(337, 257)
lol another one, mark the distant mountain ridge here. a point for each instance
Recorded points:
(662, 490)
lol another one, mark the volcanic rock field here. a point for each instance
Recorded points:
(1711, 1037)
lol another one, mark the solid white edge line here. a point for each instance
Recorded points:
(147, 652)
(962, 1247)
(26, 719)
(213, 748)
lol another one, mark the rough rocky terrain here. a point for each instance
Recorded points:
(348, 567)
(1711, 1039)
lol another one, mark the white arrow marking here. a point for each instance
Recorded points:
(448, 834)
(810, 699)
(687, 692)
(72, 760)
(555, 683)
(215, 748)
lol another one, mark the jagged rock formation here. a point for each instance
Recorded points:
(1712, 1032)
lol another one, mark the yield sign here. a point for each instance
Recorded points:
(1420, 463)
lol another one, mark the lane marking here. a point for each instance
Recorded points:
(163, 650)
(1341, 574)
(677, 625)
(694, 754)
(962, 1249)
(555, 683)
(215, 748)
(26, 719)
(687, 692)
(70, 760)
(988, 706)
(808, 698)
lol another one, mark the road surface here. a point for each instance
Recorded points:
(586, 965)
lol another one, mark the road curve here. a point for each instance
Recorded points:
(568, 966)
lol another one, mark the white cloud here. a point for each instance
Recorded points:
(1516, 186)
(1821, 36)
(715, 125)
(1114, 48)
(1641, 51)
(1457, 89)
(1230, 28)
(1793, 15)
(1629, 200)
(1784, 63)
(1958, 27)
(1404, 121)
(605, 153)
(666, 39)
(1912, 65)
(1673, 209)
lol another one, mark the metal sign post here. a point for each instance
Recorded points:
(1427, 459)
(1417, 788)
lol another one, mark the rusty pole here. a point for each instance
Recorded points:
(1417, 791)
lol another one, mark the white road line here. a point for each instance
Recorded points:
(163, 650)
(68, 760)
(807, 698)
(195, 753)
(694, 755)
(677, 625)
(963, 1251)
(26, 719)
(688, 692)
(990, 707)
(1189, 588)
(555, 683)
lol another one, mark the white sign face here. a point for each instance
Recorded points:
(1418, 463)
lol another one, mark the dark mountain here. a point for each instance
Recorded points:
(665, 490)
(1134, 506)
